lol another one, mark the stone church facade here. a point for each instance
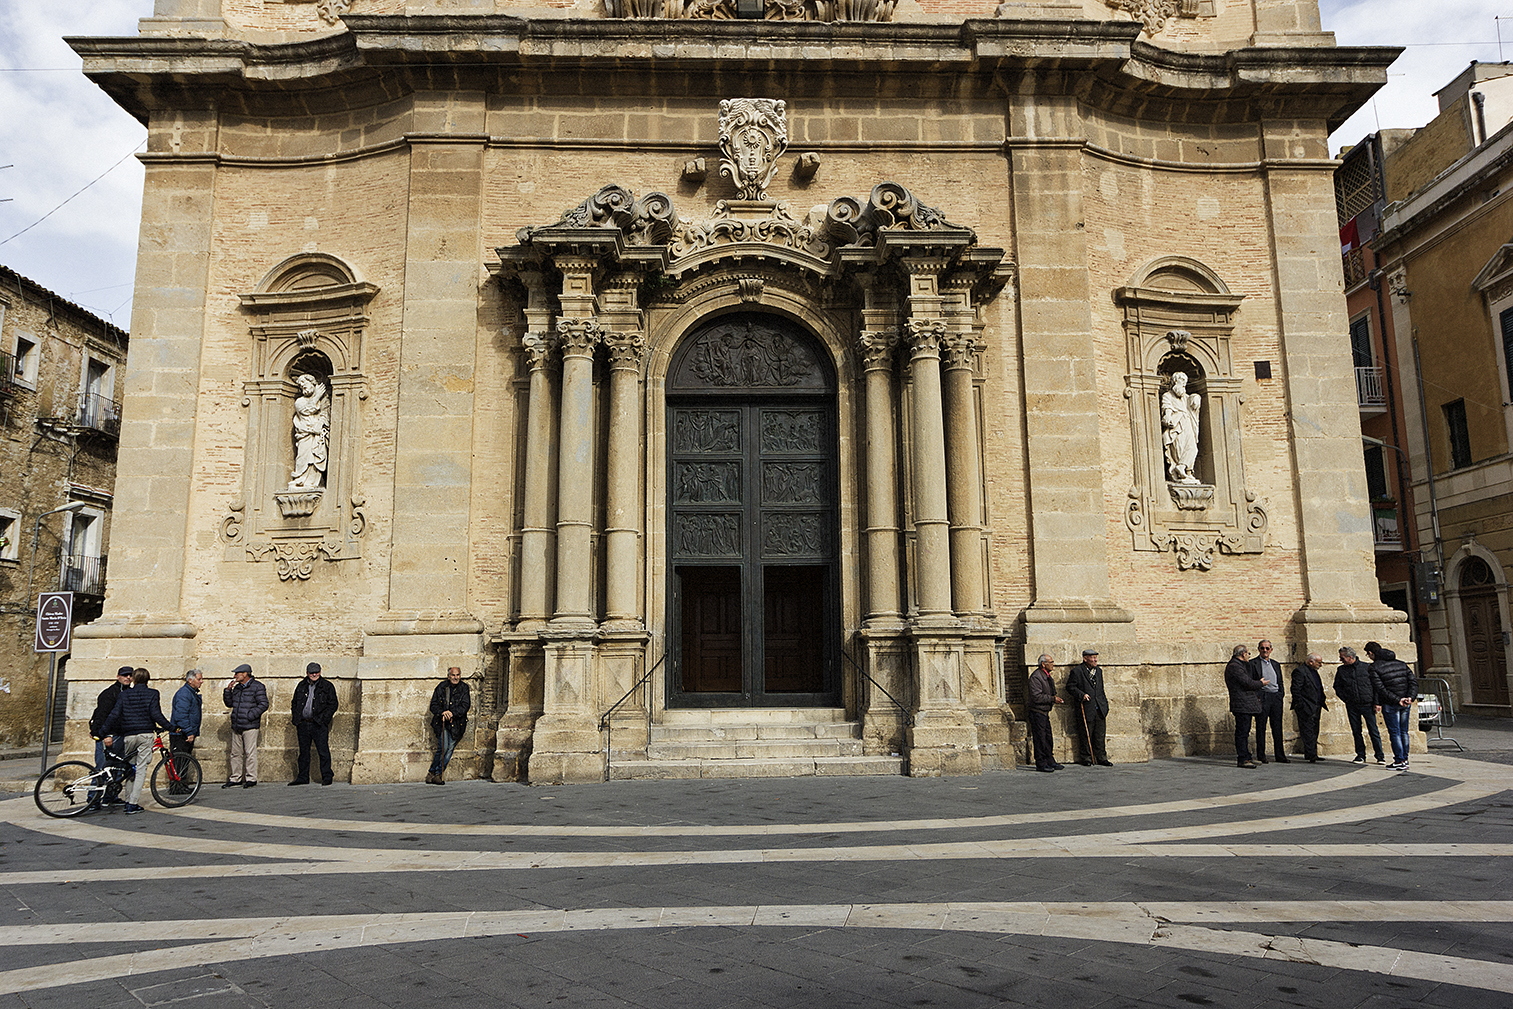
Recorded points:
(735, 388)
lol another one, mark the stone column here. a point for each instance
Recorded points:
(623, 524)
(575, 468)
(876, 349)
(964, 475)
(538, 533)
(931, 520)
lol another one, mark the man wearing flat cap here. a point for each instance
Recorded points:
(103, 706)
(313, 707)
(247, 698)
(1084, 687)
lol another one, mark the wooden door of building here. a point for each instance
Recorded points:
(1484, 634)
(753, 577)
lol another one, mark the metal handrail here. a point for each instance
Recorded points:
(908, 718)
(608, 730)
(1446, 708)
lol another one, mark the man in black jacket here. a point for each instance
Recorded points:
(248, 699)
(103, 706)
(1395, 688)
(136, 714)
(1085, 686)
(450, 702)
(1352, 684)
(1269, 673)
(1244, 701)
(312, 708)
(1307, 701)
(1042, 699)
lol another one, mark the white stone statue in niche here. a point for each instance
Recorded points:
(1179, 429)
(312, 430)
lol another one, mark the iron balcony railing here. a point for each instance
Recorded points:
(7, 373)
(84, 575)
(99, 413)
(1354, 263)
(1370, 388)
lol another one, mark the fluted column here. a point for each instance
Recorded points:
(931, 519)
(536, 536)
(623, 523)
(876, 350)
(963, 473)
(575, 468)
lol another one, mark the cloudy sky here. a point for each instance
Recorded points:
(74, 189)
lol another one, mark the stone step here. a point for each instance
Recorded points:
(791, 768)
(750, 716)
(731, 733)
(759, 749)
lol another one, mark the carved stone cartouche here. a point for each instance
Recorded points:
(753, 135)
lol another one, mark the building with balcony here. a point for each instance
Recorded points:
(736, 388)
(60, 409)
(1427, 238)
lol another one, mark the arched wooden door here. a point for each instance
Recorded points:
(753, 533)
(1484, 633)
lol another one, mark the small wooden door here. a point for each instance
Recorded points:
(1484, 640)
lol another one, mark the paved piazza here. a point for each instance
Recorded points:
(1175, 883)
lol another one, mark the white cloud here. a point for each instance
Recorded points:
(60, 131)
(1442, 38)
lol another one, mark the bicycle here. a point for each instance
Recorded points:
(73, 787)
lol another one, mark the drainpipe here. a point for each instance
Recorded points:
(1439, 552)
(1479, 99)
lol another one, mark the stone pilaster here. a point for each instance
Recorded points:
(565, 745)
(876, 350)
(1334, 518)
(623, 524)
(1073, 605)
(964, 475)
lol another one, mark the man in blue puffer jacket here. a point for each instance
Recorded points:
(136, 714)
(186, 713)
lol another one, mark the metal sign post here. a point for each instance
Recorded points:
(55, 628)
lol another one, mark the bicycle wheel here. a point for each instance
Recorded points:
(69, 788)
(176, 779)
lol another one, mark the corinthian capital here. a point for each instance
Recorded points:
(960, 350)
(538, 349)
(925, 336)
(578, 336)
(625, 350)
(876, 347)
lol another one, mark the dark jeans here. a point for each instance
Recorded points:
(320, 735)
(445, 743)
(178, 744)
(1091, 729)
(1308, 733)
(1242, 737)
(1271, 714)
(1364, 713)
(1040, 737)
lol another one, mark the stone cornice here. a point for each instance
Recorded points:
(1100, 61)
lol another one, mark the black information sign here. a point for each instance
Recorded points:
(55, 622)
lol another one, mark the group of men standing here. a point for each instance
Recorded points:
(1385, 685)
(1256, 695)
(313, 707)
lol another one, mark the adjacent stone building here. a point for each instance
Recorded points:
(1441, 290)
(737, 387)
(60, 411)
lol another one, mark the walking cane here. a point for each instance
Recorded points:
(1087, 733)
